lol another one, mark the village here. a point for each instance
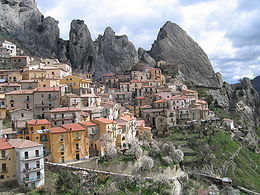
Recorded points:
(49, 113)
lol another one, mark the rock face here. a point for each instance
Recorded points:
(109, 53)
(22, 19)
(177, 48)
(256, 83)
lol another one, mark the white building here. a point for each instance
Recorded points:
(29, 163)
(10, 46)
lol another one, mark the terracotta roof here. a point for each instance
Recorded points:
(139, 98)
(57, 130)
(126, 118)
(139, 123)
(201, 102)
(22, 143)
(108, 75)
(103, 120)
(20, 92)
(189, 90)
(65, 109)
(84, 113)
(49, 89)
(146, 106)
(4, 144)
(73, 127)
(38, 122)
(10, 84)
(88, 123)
(160, 101)
(148, 86)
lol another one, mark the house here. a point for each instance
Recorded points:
(29, 162)
(14, 77)
(77, 85)
(7, 161)
(37, 131)
(68, 142)
(107, 132)
(228, 123)
(71, 100)
(92, 131)
(44, 99)
(19, 117)
(11, 47)
(8, 87)
(63, 115)
(111, 110)
(29, 84)
(142, 129)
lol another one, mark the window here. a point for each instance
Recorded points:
(12, 105)
(2, 176)
(38, 175)
(62, 115)
(42, 95)
(26, 166)
(77, 135)
(22, 115)
(3, 154)
(61, 138)
(4, 168)
(77, 146)
(49, 96)
(27, 106)
(43, 127)
(26, 155)
(27, 176)
(62, 148)
(37, 153)
(37, 164)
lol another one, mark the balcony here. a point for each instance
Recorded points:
(27, 100)
(77, 149)
(32, 169)
(44, 105)
(32, 179)
(28, 158)
(2, 106)
(77, 138)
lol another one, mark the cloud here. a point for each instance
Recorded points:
(228, 31)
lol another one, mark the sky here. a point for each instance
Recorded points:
(227, 30)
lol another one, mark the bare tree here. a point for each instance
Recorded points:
(108, 144)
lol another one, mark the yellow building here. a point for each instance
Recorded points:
(34, 75)
(2, 106)
(37, 131)
(68, 142)
(49, 82)
(77, 85)
(107, 132)
(7, 161)
(141, 129)
(14, 77)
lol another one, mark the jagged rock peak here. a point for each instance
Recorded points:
(183, 53)
(145, 57)
(109, 32)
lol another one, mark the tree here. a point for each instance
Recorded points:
(145, 163)
(135, 149)
(107, 143)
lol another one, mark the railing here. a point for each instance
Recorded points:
(77, 138)
(28, 179)
(31, 169)
(28, 158)
(77, 149)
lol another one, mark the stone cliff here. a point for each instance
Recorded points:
(179, 49)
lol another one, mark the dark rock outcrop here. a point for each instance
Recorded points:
(256, 83)
(114, 53)
(178, 49)
(22, 19)
(145, 57)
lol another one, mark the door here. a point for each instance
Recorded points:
(77, 157)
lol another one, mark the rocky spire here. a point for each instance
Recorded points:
(176, 47)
